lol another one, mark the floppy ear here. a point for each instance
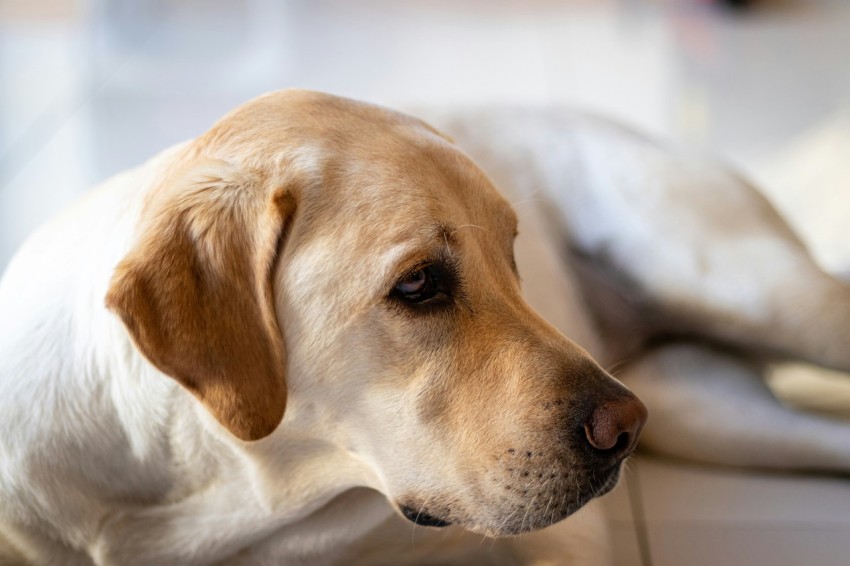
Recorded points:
(195, 294)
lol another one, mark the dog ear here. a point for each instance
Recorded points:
(196, 295)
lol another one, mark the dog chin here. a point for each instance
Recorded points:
(515, 521)
(527, 523)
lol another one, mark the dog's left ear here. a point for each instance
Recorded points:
(196, 294)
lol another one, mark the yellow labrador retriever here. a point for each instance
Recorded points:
(255, 347)
(300, 339)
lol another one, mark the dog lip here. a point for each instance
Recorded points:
(421, 518)
(612, 479)
(609, 484)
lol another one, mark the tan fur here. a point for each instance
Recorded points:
(261, 386)
(196, 293)
(273, 245)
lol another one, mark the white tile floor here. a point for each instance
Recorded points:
(88, 88)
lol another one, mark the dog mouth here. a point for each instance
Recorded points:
(421, 518)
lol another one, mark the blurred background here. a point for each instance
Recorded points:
(92, 87)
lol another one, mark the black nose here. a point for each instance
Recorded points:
(613, 427)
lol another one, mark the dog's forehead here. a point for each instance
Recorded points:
(421, 192)
(383, 172)
(270, 128)
(365, 159)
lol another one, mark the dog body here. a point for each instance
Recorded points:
(280, 262)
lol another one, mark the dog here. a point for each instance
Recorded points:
(225, 355)
(302, 338)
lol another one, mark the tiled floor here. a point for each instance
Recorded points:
(88, 88)
(699, 516)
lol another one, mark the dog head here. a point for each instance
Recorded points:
(351, 266)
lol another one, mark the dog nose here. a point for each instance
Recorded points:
(614, 425)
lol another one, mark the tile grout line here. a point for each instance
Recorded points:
(639, 516)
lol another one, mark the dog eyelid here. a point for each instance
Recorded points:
(439, 285)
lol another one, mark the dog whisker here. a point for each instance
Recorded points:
(457, 228)
(617, 366)
(528, 198)
(415, 523)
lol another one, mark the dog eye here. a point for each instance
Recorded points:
(419, 286)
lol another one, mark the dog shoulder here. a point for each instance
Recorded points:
(59, 348)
